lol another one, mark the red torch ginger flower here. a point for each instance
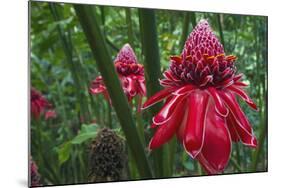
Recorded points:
(50, 114)
(131, 75)
(38, 103)
(201, 108)
(34, 174)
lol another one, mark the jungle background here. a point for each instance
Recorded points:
(62, 67)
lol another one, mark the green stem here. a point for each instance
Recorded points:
(262, 124)
(193, 19)
(109, 115)
(139, 123)
(236, 164)
(88, 20)
(220, 28)
(199, 168)
(69, 56)
(129, 27)
(185, 27)
(237, 149)
(152, 71)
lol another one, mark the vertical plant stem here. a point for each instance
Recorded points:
(185, 27)
(193, 19)
(129, 27)
(199, 168)
(139, 123)
(152, 71)
(237, 149)
(263, 108)
(69, 56)
(88, 20)
(219, 22)
(109, 115)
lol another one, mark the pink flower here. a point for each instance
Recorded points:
(50, 114)
(131, 75)
(38, 103)
(201, 108)
(34, 174)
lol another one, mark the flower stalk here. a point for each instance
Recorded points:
(152, 71)
(88, 20)
(67, 48)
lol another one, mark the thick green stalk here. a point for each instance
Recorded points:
(88, 20)
(220, 29)
(129, 27)
(152, 71)
(263, 107)
(185, 27)
(193, 19)
(236, 164)
(73, 68)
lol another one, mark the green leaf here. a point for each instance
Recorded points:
(87, 132)
(64, 152)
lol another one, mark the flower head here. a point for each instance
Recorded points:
(201, 108)
(131, 75)
(107, 157)
(50, 114)
(38, 103)
(34, 174)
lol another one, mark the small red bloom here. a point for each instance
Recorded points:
(50, 114)
(200, 89)
(38, 103)
(34, 174)
(131, 75)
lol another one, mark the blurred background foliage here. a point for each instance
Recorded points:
(62, 67)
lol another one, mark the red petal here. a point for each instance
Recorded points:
(231, 124)
(184, 90)
(141, 85)
(128, 84)
(237, 77)
(166, 131)
(97, 90)
(219, 106)
(244, 96)
(166, 111)
(207, 79)
(195, 124)
(168, 75)
(240, 84)
(166, 83)
(161, 95)
(182, 127)
(242, 124)
(216, 150)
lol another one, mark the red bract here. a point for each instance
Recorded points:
(38, 103)
(34, 174)
(200, 89)
(50, 114)
(131, 75)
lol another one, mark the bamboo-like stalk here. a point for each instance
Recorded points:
(220, 28)
(152, 72)
(193, 19)
(185, 27)
(88, 20)
(263, 109)
(69, 56)
(129, 26)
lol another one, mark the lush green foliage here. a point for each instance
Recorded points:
(62, 67)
